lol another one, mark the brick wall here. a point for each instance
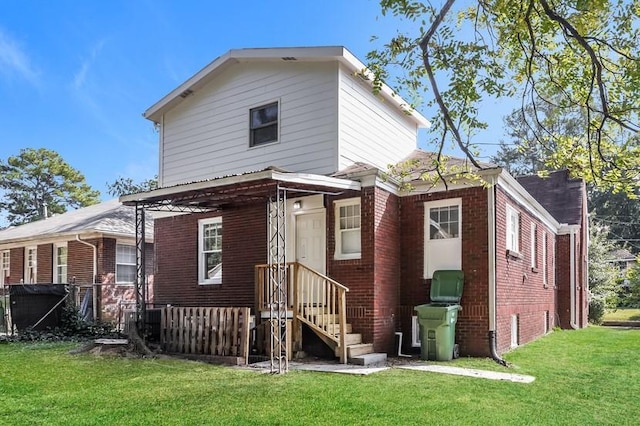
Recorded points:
(472, 327)
(45, 263)
(176, 253)
(16, 265)
(521, 290)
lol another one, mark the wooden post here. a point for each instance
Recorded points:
(343, 326)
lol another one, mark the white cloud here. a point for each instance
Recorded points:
(80, 77)
(13, 60)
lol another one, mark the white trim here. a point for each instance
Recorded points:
(515, 338)
(338, 254)
(43, 239)
(512, 214)
(5, 272)
(54, 277)
(26, 280)
(121, 244)
(427, 241)
(201, 278)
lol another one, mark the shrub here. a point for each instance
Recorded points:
(597, 308)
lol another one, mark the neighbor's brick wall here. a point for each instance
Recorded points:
(45, 263)
(16, 265)
(176, 252)
(80, 260)
(563, 280)
(472, 326)
(521, 290)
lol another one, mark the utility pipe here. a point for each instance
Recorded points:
(95, 274)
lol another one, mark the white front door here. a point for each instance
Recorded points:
(311, 240)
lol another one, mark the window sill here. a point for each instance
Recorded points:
(347, 256)
(514, 255)
(261, 145)
(207, 283)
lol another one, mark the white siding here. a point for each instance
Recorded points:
(207, 135)
(371, 130)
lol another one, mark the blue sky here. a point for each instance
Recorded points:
(75, 76)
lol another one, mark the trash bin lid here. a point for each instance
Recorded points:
(446, 286)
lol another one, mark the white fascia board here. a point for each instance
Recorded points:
(511, 186)
(566, 229)
(302, 178)
(305, 54)
(424, 187)
(47, 239)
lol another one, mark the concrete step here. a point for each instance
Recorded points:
(372, 359)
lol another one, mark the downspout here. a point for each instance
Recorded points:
(95, 273)
(491, 225)
(572, 277)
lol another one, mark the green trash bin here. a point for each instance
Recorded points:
(438, 319)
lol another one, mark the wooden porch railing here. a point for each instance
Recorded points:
(315, 299)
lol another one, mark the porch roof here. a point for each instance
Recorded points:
(213, 194)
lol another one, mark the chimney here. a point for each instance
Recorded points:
(45, 211)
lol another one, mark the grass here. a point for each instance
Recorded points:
(623, 315)
(582, 377)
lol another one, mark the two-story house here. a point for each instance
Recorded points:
(285, 150)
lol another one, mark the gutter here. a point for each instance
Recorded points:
(493, 312)
(95, 274)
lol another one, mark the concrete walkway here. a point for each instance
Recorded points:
(469, 372)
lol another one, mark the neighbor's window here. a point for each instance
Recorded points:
(125, 264)
(264, 124)
(513, 229)
(31, 265)
(5, 262)
(348, 229)
(60, 263)
(210, 251)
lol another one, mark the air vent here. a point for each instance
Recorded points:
(289, 58)
(186, 93)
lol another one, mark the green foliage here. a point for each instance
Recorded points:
(604, 277)
(580, 59)
(597, 309)
(619, 213)
(125, 186)
(36, 178)
(632, 299)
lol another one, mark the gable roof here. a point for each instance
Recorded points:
(561, 195)
(277, 54)
(109, 217)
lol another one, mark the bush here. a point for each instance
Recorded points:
(597, 308)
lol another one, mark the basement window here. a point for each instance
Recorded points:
(263, 124)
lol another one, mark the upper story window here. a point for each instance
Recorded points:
(348, 229)
(60, 263)
(5, 263)
(210, 251)
(444, 222)
(263, 124)
(125, 264)
(442, 235)
(513, 229)
(31, 265)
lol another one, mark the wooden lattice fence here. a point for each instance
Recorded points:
(206, 331)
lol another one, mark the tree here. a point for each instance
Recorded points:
(632, 299)
(124, 186)
(604, 277)
(575, 55)
(39, 180)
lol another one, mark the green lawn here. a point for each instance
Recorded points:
(582, 377)
(623, 315)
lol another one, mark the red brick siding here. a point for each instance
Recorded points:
(176, 251)
(80, 260)
(521, 291)
(472, 327)
(16, 265)
(45, 263)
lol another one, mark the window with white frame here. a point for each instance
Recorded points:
(442, 239)
(125, 264)
(263, 124)
(513, 229)
(60, 263)
(210, 251)
(30, 265)
(348, 229)
(5, 263)
(534, 246)
(545, 276)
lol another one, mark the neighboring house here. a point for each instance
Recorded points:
(297, 132)
(95, 244)
(622, 259)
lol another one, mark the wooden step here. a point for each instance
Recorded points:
(352, 338)
(356, 350)
(335, 328)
